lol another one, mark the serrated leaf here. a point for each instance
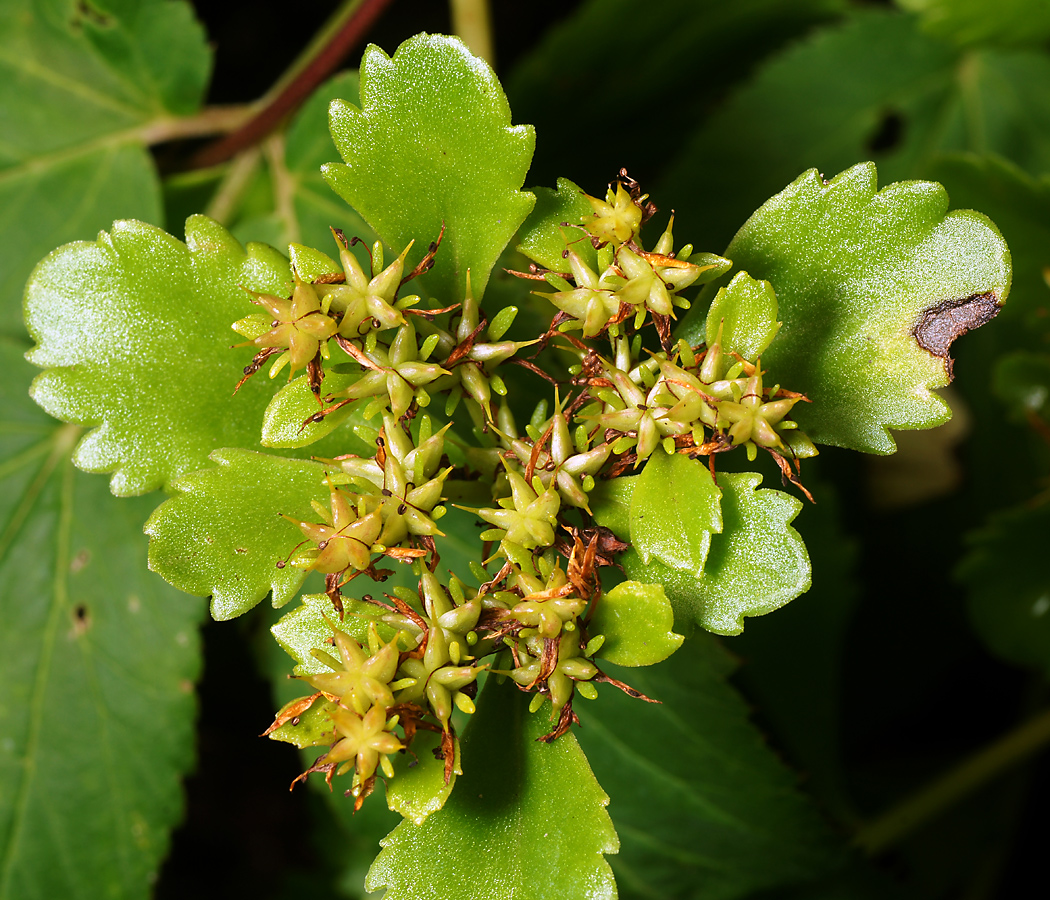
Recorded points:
(703, 807)
(432, 144)
(1008, 585)
(636, 620)
(976, 21)
(755, 565)
(675, 507)
(311, 728)
(527, 819)
(744, 313)
(863, 277)
(134, 330)
(222, 533)
(544, 238)
(98, 662)
(874, 87)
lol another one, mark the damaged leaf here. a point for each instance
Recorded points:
(872, 287)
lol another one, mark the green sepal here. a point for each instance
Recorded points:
(432, 145)
(222, 533)
(746, 312)
(636, 620)
(675, 508)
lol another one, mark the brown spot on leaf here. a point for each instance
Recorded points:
(939, 325)
(78, 562)
(81, 620)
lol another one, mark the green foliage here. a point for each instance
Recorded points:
(444, 153)
(867, 286)
(399, 432)
(698, 821)
(519, 803)
(755, 564)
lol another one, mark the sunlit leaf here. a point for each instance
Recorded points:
(432, 145)
(222, 535)
(755, 565)
(675, 508)
(872, 288)
(526, 820)
(636, 621)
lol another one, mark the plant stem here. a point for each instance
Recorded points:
(210, 120)
(238, 175)
(970, 775)
(324, 54)
(283, 187)
(472, 22)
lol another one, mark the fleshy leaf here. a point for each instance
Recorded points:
(746, 312)
(674, 510)
(222, 534)
(1009, 586)
(311, 728)
(527, 819)
(432, 144)
(755, 565)
(703, 806)
(872, 288)
(636, 620)
(544, 237)
(98, 659)
(134, 330)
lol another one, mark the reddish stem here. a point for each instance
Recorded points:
(293, 96)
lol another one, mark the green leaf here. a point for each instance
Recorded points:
(875, 87)
(1020, 207)
(135, 331)
(862, 278)
(675, 507)
(703, 807)
(432, 144)
(746, 312)
(636, 621)
(418, 787)
(544, 238)
(75, 113)
(98, 659)
(293, 404)
(976, 21)
(222, 533)
(527, 819)
(755, 565)
(1009, 587)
